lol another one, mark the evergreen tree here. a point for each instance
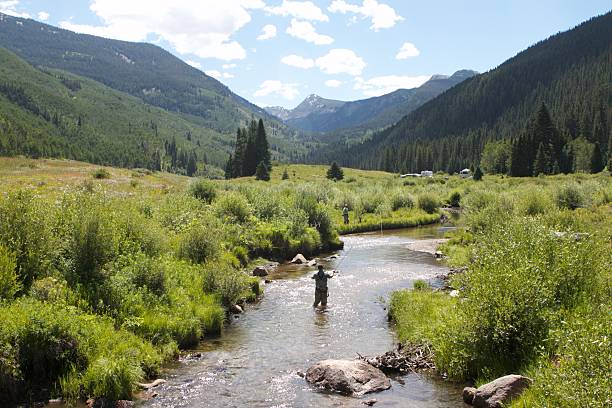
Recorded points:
(192, 165)
(262, 172)
(262, 148)
(478, 174)
(239, 154)
(285, 175)
(229, 166)
(335, 172)
(597, 160)
(541, 164)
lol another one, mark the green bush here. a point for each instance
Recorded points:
(234, 206)
(9, 283)
(198, 244)
(400, 199)
(93, 244)
(25, 231)
(204, 191)
(101, 173)
(454, 200)
(571, 197)
(513, 298)
(428, 202)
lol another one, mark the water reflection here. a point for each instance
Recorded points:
(255, 362)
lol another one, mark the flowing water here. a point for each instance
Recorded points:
(255, 362)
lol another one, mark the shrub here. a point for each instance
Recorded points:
(9, 283)
(92, 246)
(101, 173)
(400, 199)
(233, 205)
(203, 190)
(428, 202)
(24, 231)
(570, 196)
(454, 200)
(535, 203)
(504, 320)
(198, 244)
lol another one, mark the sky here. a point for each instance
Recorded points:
(277, 52)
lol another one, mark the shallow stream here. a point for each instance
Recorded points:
(254, 363)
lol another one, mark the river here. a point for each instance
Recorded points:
(255, 362)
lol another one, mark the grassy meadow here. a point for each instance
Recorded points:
(105, 274)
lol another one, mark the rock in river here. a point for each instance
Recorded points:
(299, 259)
(347, 377)
(497, 393)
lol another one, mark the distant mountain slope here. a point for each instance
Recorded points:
(57, 114)
(143, 70)
(570, 72)
(318, 114)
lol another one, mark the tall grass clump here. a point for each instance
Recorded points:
(234, 206)
(198, 244)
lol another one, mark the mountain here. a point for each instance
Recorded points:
(198, 104)
(142, 70)
(570, 72)
(52, 113)
(317, 114)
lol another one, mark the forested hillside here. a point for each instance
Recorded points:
(571, 73)
(143, 70)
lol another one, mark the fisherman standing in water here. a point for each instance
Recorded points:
(321, 286)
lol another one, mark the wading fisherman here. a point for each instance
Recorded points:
(345, 214)
(321, 286)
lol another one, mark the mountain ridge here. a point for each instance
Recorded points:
(317, 114)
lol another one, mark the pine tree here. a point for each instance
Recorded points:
(229, 166)
(335, 172)
(239, 154)
(541, 164)
(478, 174)
(262, 172)
(192, 165)
(262, 147)
(597, 160)
(285, 175)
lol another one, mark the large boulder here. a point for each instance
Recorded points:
(497, 393)
(299, 259)
(347, 377)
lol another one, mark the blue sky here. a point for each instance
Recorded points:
(277, 52)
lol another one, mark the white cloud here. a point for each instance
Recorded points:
(304, 10)
(10, 7)
(306, 31)
(194, 64)
(43, 16)
(199, 27)
(267, 32)
(408, 50)
(228, 66)
(385, 84)
(298, 61)
(381, 15)
(270, 87)
(218, 75)
(341, 61)
(333, 83)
